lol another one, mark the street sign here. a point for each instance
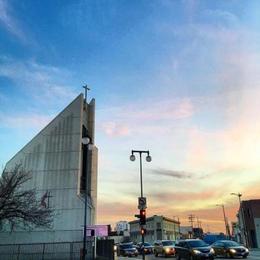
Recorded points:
(142, 203)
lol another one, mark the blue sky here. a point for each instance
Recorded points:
(180, 78)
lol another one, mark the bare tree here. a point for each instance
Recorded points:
(21, 206)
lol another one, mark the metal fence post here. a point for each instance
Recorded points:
(18, 252)
(71, 251)
(43, 250)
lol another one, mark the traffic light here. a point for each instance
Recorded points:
(142, 217)
(143, 231)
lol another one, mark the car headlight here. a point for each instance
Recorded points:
(196, 252)
(115, 247)
(232, 250)
(212, 251)
(167, 250)
(246, 250)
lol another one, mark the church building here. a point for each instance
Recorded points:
(63, 167)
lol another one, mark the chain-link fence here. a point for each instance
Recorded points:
(44, 251)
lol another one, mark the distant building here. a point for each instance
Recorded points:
(122, 227)
(60, 164)
(157, 228)
(235, 231)
(251, 214)
(198, 232)
(186, 232)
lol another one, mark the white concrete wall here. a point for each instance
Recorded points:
(54, 159)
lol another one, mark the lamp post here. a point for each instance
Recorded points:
(85, 144)
(239, 195)
(148, 159)
(225, 219)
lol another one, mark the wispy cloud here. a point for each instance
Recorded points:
(140, 117)
(115, 129)
(24, 121)
(43, 83)
(9, 21)
(172, 173)
(168, 109)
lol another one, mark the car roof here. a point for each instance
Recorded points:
(194, 239)
(225, 241)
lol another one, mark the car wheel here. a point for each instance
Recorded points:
(191, 257)
(155, 253)
(245, 256)
(229, 255)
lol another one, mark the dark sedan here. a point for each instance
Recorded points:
(127, 249)
(230, 249)
(193, 249)
(147, 248)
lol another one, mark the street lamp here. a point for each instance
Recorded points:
(239, 195)
(225, 219)
(148, 159)
(86, 141)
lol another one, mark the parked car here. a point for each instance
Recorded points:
(147, 248)
(192, 249)
(230, 249)
(127, 249)
(164, 247)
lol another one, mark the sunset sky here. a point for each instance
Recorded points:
(180, 78)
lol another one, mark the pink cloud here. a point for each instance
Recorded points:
(115, 129)
(164, 110)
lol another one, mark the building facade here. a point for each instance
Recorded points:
(157, 228)
(59, 164)
(250, 211)
(122, 227)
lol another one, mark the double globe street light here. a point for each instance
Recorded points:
(142, 209)
(148, 159)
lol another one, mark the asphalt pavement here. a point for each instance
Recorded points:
(254, 255)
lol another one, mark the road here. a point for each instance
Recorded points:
(254, 255)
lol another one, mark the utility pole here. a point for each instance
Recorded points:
(191, 218)
(225, 220)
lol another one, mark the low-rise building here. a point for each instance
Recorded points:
(157, 228)
(250, 211)
(122, 227)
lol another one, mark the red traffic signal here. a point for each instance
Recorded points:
(142, 217)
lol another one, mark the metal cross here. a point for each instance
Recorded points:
(86, 91)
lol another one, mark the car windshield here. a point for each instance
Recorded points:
(147, 244)
(196, 243)
(124, 246)
(231, 243)
(167, 243)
